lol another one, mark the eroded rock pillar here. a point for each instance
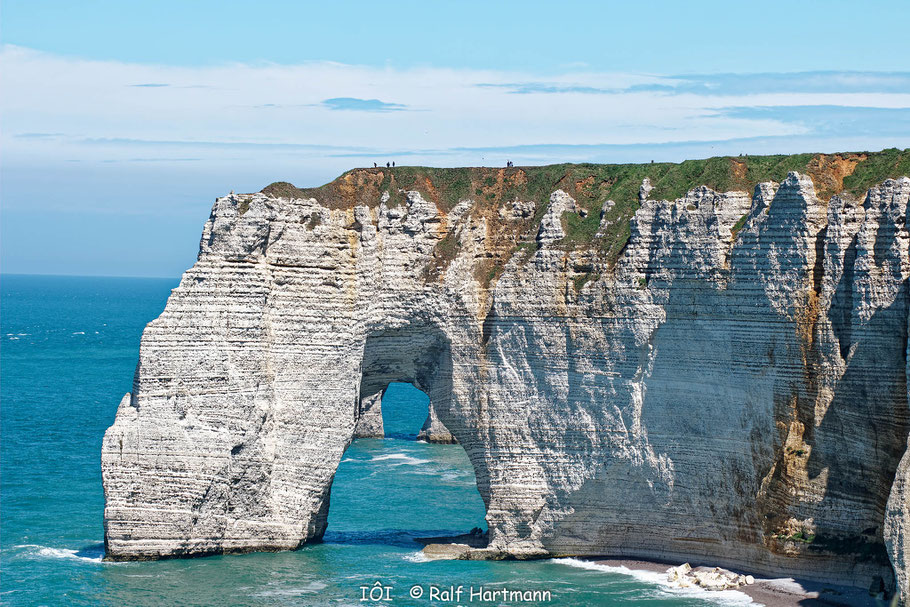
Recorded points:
(369, 420)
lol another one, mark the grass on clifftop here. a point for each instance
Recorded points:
(593, 184)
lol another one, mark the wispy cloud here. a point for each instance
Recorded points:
(126, 142)
(326, 116)
(729, 84)
(830, 119)
(530, 88)
(362, 105)
(164, 159)
(820, 82)
(38, 135)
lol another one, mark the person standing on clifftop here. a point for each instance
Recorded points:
(387, 165)
(393, 163)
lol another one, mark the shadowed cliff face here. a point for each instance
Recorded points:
(730, 388)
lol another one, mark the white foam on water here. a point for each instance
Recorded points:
(427, 470)
(310, 588)
(400, 459)
(79, 333)
(416, 557)
(58, 553)
(725, 597)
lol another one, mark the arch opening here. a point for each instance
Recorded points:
(403, 480)
(406, 406)
(374, 422)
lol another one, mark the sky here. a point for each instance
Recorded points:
(120, 122)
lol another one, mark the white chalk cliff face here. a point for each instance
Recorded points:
(734, 398)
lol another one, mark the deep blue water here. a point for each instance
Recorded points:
(68, 347)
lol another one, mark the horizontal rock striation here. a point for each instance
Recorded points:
(728, 385)
(897, 526)
(369, 417)
(369, 422)
(434, 431)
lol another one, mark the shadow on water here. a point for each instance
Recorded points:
(401, 436)
(385, 537)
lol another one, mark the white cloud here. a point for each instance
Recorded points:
(62, 109)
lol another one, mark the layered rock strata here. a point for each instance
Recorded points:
(897, 527)
(732, 389)
(369, 417)
(434, 431)
(370, 425)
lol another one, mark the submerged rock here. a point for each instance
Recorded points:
(467, 546)
(438, 552)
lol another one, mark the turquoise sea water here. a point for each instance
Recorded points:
(68, 347)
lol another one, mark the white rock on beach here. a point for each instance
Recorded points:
(715, 579)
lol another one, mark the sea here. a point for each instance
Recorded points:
(68, 349)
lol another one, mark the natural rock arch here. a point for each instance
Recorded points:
(241, 409)
(410, 355)
(415, 354)
(370, 422)
(555, 372)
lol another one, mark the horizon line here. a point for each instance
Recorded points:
(58, 275)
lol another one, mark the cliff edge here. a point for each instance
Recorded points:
(679, 362)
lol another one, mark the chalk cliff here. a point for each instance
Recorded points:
(712, 374)
(434, 431)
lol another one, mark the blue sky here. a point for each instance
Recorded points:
(120, 122)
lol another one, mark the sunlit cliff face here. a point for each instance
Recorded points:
(729, 385)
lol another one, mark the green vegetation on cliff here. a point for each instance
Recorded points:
(591, 185)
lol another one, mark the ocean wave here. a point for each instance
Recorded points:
(400, 459)
(416, 557)
(93, 554)
(725, 597)
(311, 588)
(448, 475)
